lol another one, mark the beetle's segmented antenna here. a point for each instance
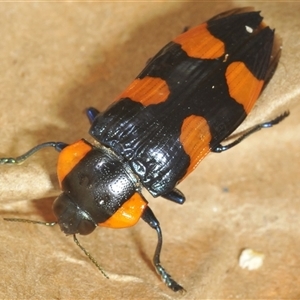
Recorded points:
(91, 258)
(30, 221)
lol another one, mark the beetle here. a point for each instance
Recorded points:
(187, 100)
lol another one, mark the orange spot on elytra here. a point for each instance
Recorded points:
(195, 138)
(198, 42)
(243, 86)
(148, 90)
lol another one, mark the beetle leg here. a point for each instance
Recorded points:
(92, 113)
(185, 29)
(150, 218)
(58, 146)
(220, 148)
(175, 195)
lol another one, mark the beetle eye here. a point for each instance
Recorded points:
(70, 218)
(86, 227)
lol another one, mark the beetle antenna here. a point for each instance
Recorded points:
(91, 258)
(30, 221)
(20, 159)
(149, 217)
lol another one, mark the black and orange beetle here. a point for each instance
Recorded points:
(188, 99)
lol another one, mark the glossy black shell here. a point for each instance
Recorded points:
(148, 137)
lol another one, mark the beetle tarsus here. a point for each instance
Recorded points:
(167, 279)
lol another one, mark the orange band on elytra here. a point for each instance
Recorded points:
(195, 137)
(128, 214)
(198, 42)
(69, 157)
(147, 91)
(243, 86)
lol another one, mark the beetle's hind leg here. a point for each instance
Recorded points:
(220, 148)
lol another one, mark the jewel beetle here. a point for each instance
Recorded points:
(187, 100)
